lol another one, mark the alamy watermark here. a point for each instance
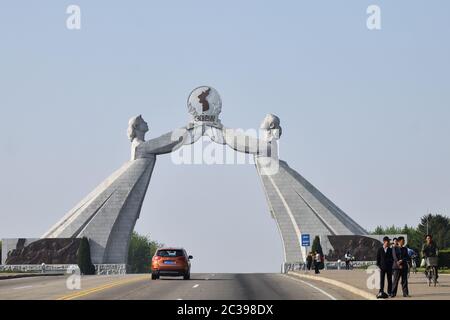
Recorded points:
(373, 280)
(73, 282)
(226, 147)
(73, 21)
(374, 19)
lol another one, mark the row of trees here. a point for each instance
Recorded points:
(141, 251)
(436, 225)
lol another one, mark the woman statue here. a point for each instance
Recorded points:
(107, 216)
(137, 128)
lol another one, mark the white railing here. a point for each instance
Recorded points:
(100, 269)
(328, 265)
(36, 268)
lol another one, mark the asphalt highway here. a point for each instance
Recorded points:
(207, 286)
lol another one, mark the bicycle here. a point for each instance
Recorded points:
(431, 270)
(413, 266)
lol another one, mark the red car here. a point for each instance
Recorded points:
(171, 262)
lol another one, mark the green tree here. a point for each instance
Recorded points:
(414, 237)
(140, 253)
(392, 230)
(84, 257)
(378, 230)
(317, 247)
(438, 226)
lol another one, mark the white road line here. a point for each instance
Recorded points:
(313, 286)
(20, 288)
(196, 286)
(179, 299)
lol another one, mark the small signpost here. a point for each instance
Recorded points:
(306, 240)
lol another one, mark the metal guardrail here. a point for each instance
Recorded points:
(100, 269)
(36, 268)
(328, 265)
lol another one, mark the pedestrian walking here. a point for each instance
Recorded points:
(384, 263)
(348, 259)
(309, 261)
(317, 260)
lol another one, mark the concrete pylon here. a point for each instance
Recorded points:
(107, 216)
(300, 208)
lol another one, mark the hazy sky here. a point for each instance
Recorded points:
(365, 114)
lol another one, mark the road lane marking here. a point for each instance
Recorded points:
(313, 286)
(101, 288)
(196, 286)
(24, 287)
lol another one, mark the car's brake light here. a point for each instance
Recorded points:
(156, 258)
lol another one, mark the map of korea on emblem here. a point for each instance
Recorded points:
(205, 105)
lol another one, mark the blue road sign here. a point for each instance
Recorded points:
(306, 240)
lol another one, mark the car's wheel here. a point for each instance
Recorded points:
(187, 276)
(155, 276)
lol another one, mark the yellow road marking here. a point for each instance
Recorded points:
(110, 285)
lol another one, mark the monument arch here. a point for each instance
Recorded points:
(107, 216)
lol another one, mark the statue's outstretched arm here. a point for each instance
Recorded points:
(166, 143)
(238, 141)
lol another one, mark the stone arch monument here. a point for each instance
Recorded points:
(107, 216)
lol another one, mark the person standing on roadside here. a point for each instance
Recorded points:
(401, 259)
(317, 260)
(348, 259)
(384, 263)
(309, 261)
(394, 242)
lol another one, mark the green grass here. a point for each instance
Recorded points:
(441, 270)
(11, 272)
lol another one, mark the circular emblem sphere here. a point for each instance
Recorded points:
(204, 104)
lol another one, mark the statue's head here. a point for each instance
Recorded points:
(271, 125)
(137, 128)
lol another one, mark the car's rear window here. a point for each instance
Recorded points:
(170, 253)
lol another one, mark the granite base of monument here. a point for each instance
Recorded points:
(50, 256)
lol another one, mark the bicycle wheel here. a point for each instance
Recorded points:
(431, 276)
(434, 277)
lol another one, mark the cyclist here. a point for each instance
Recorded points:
(430, 250)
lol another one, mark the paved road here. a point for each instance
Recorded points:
(200, 287)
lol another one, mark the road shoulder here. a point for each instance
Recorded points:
(345, 286)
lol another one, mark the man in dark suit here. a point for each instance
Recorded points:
(384, 262)
(401, 259)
